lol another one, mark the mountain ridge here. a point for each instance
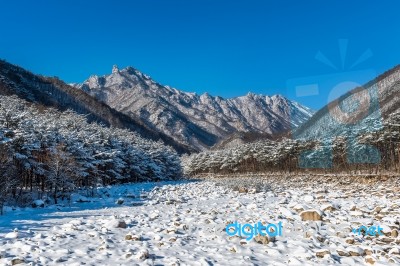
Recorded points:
(200, 121)
(381, 92)
(53, 92)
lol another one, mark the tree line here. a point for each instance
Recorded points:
(375, 151)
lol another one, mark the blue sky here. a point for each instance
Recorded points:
(226, 48)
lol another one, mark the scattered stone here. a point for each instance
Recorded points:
(261, 239)
(320, 238)
(328, 207)
(133, 237)
(368, 251)
(342, 253)
(355, 251)
(385, 211)
(121, 224)
(322, 252)
(370, 260)
(298, 208)
(61, 259)
(143, 254)
(394, 251)
(153, 216)
(184, 227)
(386, 230)
(171, 230)
(93, 234)
(170, 202)
(243, 190)
(120, 201)
(386, 239)
(17, 261)
(311, 215)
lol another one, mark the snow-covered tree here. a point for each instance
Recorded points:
(57, 151)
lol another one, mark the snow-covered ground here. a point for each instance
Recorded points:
(183, 223)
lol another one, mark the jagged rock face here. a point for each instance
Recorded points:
(197, 120)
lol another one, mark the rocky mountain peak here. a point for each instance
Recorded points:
(197, 120)
(115, 69)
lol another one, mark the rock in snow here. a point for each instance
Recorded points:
(311, 215)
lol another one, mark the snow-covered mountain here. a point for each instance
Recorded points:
(359, 111)
(197, 120)
(358, 131)
(52, 92)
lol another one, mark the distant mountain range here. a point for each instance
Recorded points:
(198, 121)
(357, 133)
(190, 122)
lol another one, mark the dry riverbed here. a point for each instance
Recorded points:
(184, 223)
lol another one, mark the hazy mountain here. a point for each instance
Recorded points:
(200, 121)
(359, 111)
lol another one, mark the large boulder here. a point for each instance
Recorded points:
(311, 215)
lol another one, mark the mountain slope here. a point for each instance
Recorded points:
(200, 121)
(52, 92)
(361, 110)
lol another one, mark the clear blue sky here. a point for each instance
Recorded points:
(226, 48)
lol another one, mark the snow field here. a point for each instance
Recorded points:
(184, 224)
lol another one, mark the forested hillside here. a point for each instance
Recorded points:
(374, 152)
(48, 152)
